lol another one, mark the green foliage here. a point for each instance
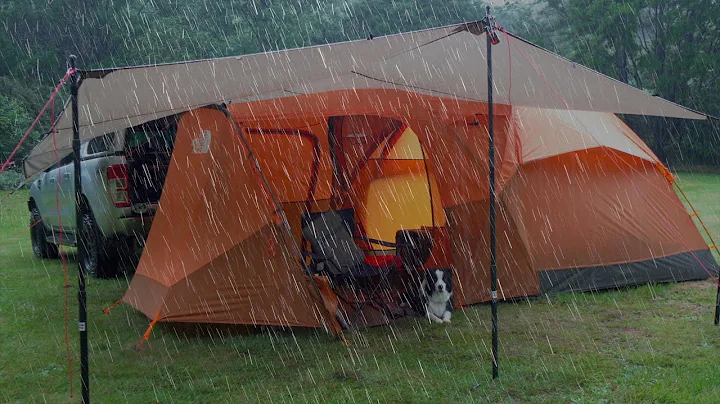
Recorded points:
(14, 120)
(670, 48)
(10, 179)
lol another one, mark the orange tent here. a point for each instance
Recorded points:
(583, 203)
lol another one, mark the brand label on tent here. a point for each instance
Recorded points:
(360, 137)
(201, 143)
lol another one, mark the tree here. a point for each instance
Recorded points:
(670, 48)
(14, 120)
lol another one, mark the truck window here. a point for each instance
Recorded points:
(63, 162)
(155, 137)
(101, 144)
(67, 159)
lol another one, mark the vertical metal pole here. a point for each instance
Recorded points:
(717, 306)
(82, 296)
(491, 174)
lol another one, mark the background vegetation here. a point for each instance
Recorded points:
(667, 47)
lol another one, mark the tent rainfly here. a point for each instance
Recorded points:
(446, 63)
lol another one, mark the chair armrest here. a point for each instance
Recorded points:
(378, 242)
(320, 263)
(315, 257)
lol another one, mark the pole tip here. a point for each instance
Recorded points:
(487, 9)
(72, 59)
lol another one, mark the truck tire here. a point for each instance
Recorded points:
(97, 255)
(38, 235)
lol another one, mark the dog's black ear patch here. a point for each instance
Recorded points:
(447, 278)
(429, 282)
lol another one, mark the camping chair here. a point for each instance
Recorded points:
(336, 255)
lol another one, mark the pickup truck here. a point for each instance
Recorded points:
(122, 176)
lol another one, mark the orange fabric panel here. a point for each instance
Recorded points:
(257, 281)
(587, 209)
(441, 254)
(469, 229)
(286, 150)
(459, 157)
(145, 294)
(206, 238)
(204, 204)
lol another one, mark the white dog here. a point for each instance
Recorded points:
(436, 291)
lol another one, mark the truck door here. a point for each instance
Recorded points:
(66, 196)
(45, 201)
(53, 193)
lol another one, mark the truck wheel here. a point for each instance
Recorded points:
(38, 235)
(96, 258)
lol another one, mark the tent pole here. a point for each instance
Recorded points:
(717, 305)
(491, 174)
(82, 296)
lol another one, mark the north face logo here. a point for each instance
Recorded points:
(201, 143)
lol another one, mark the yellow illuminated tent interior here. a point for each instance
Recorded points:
(396, 190)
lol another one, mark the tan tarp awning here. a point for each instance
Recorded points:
(444, 62)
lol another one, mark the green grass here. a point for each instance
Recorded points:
(645, 344)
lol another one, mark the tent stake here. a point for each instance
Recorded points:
(491, 174)
(82, 296)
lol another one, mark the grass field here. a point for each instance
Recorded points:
(645, 344)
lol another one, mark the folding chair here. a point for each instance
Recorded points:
(336, 255)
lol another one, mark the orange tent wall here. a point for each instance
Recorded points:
(458, 156)
(598, 208)
(285, 149)
(592, 210)
(215, 253)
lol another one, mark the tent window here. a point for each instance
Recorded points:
(293, 176)
(154, 137)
